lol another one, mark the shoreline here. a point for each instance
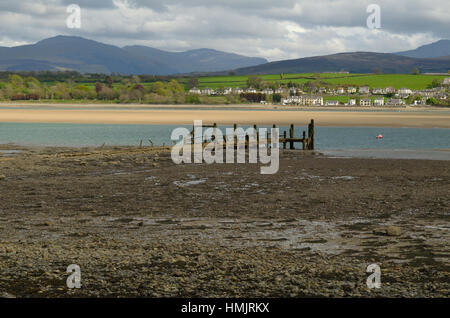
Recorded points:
(330, 118)
(176, 226)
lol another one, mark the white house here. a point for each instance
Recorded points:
(238, 90)
(404, 91)
(378, 91)
(378, 102)
(332, 103)
(228, 91)
(340, 90)
(195, 90)
(446, 81)
(267, 91)
(351, 90)
(279, 90)
(389, 90)
(364, 90)
(395, 102)
(352, 102)
(207, 91)
(365, 102)
(250, 90)
(420, 102)
(311, 100)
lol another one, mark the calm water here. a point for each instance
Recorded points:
(336, 139)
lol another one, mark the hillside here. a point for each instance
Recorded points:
(87, 56)
(201, 60)
(356, 62)
(436, 49)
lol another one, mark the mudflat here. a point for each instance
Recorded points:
(181, 115)
(139, 225)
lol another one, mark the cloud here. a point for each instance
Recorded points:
(273, 29)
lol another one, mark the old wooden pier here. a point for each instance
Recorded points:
(307, 141)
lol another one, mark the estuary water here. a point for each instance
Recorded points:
(414, 143)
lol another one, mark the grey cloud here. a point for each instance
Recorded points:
(272, 29)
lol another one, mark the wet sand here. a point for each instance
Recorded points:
(425, 119)
(139, 225)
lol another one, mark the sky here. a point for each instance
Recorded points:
(275, 30)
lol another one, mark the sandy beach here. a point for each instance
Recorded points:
(435, 118)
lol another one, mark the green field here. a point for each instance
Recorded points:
(383, 80)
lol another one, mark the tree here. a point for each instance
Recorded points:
(109, 81)
(415, 71)
(255, 81)
(192, 82)
(377, 71)
(98, 87)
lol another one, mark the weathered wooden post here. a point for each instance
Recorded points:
(271, 136)
(235, 135)
(311, 135)
(257, 137)
(284, 140)
(304, 140)
(214, 132)
(291, 136)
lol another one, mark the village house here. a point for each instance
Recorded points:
(238, 90)
(251, 90)
(352, 102)
(395, 102)
(378, 102)
(322, 90)
(446, 81)
(364, 90)
(351, 90)
(340, 90)
(311, 100)
(377, 91)
(280, 90)
(228, 91)
(293, 91)
(292, 100)
(404, 91)
(267, 91)
(208, 91)
(389, 90)
(195, 90)
(365, 102)
(331, 103)
(420, 102)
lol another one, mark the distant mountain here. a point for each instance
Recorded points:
(201, 60)
(436, 49)
(356, 62)
(87, 56)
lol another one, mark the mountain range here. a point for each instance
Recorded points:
(355, 62)
(88, 56)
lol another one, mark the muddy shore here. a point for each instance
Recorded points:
(139, 225)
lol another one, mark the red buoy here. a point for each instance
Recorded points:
(380, 136)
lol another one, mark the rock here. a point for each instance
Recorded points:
(6, 295)
(2, 177)
(179, 261)
(393, 231)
